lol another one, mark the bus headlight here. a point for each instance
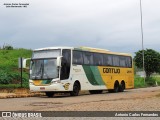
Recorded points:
(55, 81)
(31, 82)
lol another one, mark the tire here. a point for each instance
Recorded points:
(116, 87)
(76, 89)
(95, 91)
(50, 94)
(121, 87)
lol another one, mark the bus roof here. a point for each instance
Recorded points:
(83, 48)
(90, 49)
(50, 48)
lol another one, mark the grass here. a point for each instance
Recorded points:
(139, 82)
(157, 78)
(10, 76)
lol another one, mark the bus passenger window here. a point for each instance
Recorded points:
(88, 58)
(77, 57)
(115, 60)
(98, 59)
(122, 61)
(108, 60)
(128, 62)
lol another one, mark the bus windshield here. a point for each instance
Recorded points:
(44, 69)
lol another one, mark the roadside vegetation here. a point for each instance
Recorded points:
(151, 61)
(10, 76)
(140, 82)
(151, 68)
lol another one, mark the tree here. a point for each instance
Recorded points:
(151, 61)
(7, 47)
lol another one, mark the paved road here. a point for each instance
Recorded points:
(143, 99)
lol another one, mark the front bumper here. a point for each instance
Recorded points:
(53, 87)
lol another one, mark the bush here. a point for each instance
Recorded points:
(13, 79)
(150, 81)
(5, 78)
(7, 47)
(157, 78)
(139, 82)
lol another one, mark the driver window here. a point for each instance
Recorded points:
(66, 62)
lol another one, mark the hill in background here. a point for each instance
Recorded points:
(9, 71)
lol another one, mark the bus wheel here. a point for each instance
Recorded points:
(76, 89)
(95, 91)
(50, 94)
(116, 87)
(122, 86)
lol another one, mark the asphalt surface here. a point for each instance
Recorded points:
(143, 99)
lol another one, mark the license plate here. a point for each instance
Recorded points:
(42, 88)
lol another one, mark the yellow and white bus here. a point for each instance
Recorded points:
(70, 69)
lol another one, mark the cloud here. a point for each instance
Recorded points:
(107, 24)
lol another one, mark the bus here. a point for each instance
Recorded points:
(75, 69)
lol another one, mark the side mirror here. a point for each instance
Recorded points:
(59, 58)
(24, 65)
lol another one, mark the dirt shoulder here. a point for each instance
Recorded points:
(18, 93)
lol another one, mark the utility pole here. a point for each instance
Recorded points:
(142, 38)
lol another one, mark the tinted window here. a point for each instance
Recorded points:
(128, 62)
(122, 61)
(65, 69)
(77, 57)
(115, 60)
(107, 60)
(98, 59)
(88, 58)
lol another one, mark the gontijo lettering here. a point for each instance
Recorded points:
(111, 70)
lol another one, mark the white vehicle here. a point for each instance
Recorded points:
(69, 69)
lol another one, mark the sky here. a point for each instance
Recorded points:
(105, 24)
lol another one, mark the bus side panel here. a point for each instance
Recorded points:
(88, 76)
(112, 74)
(102, 77)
